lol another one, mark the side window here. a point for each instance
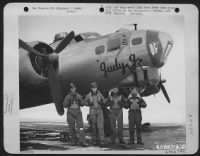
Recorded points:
(113, 44)
(99, 49)
(137, 41)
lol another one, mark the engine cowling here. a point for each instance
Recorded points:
(32, 67)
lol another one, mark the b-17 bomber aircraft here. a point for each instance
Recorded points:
(125, 58)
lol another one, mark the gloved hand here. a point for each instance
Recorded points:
(101, 103)
(135, 106)
(90, 103)
(64, 105)
(69, 104)
(79, 102)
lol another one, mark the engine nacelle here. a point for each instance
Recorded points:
(29, 75)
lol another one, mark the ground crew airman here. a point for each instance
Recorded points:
(72, 102)
(116, 103)
(135, 103)
(95, 101)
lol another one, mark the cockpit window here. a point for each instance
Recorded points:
(168, 49)
(137, 41)
(153, 42)
(159, 44)
(60, 36)
(113, 44)
(78, 38)
(99, 49)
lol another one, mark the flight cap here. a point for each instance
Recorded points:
(94, 85)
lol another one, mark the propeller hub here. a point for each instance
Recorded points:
(163, 81)
(55, 88)
(53, 58)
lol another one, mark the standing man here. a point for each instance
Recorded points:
(135, 103)
(72, 102)
(116, 103)
(95, 101)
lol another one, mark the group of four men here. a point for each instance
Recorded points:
(95, 100)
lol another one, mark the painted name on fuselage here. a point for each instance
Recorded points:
(120, 66)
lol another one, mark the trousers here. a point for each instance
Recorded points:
(135, 119)
(74, 116)
(97, 124)
(116, 116)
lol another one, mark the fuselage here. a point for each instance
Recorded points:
(109, 60)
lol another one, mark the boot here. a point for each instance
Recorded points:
(83, 144)
(82, 139)
(112, 142)
(94, 142)
(140, 143)
(101, 143)
(121, 142)
(131, 141)
(73, 143)
(139, 140)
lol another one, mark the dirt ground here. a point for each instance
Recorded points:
(44, 136)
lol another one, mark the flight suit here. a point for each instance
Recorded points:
(95, 102)
(116, 103)
(135, 116)
(72, 102)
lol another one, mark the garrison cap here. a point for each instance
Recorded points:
(72, 85)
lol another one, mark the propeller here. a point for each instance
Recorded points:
(160, 85)
(55, 89)
(65, 42)
(28, 48)
(53, 79)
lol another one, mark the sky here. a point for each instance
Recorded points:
(43, 28)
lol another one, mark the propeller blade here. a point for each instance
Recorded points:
(164, 92)
(29, 48)
(54, 84)
(55, 89)
(65, 42)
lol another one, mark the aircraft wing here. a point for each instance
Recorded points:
(35, 96)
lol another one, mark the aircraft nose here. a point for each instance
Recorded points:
(159, 47)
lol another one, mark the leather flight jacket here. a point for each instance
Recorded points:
(135, 103)
(116, 102)
(73, 100)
